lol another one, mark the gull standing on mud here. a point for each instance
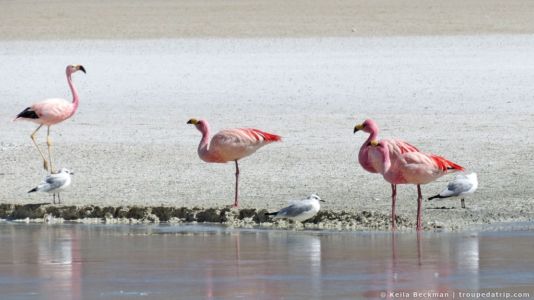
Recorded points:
(463, 185)
(230, 145)
(368, 156)
(50, 112)
(54, 183)
(299, 210)
(413, 168)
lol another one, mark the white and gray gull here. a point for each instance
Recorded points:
(462, 186)
(300, 210)
(54, 183)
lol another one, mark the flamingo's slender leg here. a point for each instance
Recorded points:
(45, 162)
(393, 200)
(419, 204)
(49, 144)
(236, 200)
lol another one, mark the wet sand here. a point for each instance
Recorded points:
(433, 73)
(201, 262)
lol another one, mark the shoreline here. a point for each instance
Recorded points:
(236, 218)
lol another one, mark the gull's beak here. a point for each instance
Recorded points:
(71, 173)
(81, 68)
(322, 200)
(358, 127)
(192, 121)
(374, 143)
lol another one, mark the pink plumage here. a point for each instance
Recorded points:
(52, 111)
(413, 168)
(230, 145)
(366, 157)
(371, 160)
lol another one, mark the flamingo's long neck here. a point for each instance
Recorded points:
(203, 151)
(75, 97)
(372, 136)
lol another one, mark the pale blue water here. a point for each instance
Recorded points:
(72, 261)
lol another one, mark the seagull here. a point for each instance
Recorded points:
(299, 210)
(461, 186)
(54, 183)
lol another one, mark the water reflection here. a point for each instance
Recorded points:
(78, 261)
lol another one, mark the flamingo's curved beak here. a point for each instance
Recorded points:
(192, 121)
(81, 68)
(358, 127)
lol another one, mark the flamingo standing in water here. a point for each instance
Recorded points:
(230, 145)
(50, 112)
(413, 168)
(370, 160)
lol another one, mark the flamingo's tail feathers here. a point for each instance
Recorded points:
(32, 190)
(28, 113)
(446, 165)
(269, 137)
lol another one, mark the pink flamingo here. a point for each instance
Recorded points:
(230, 145)
(52, 111)
(413, 168)
(370, 160)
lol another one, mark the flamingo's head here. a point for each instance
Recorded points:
(201, 125)
(74, 68)
(368, 126)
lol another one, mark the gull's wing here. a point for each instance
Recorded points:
(54, 181)
(456, 187)
(294, 210)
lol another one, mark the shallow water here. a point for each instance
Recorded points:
(72, 261)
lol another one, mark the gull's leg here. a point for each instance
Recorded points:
(49, 144)
(236, 200)
(54, 199)
(419, 204)
(45, 162)
(463, 203)
(58, 198)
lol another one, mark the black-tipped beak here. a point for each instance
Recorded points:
(356, 129)
(189, 122)
(82, 69)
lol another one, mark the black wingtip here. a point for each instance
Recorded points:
(436, 196)
(32, 190)
(28, 113)
(271, 214)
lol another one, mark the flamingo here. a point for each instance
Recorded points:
(413, 168)
(50, 112)
(370, 160)
(230, 145)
